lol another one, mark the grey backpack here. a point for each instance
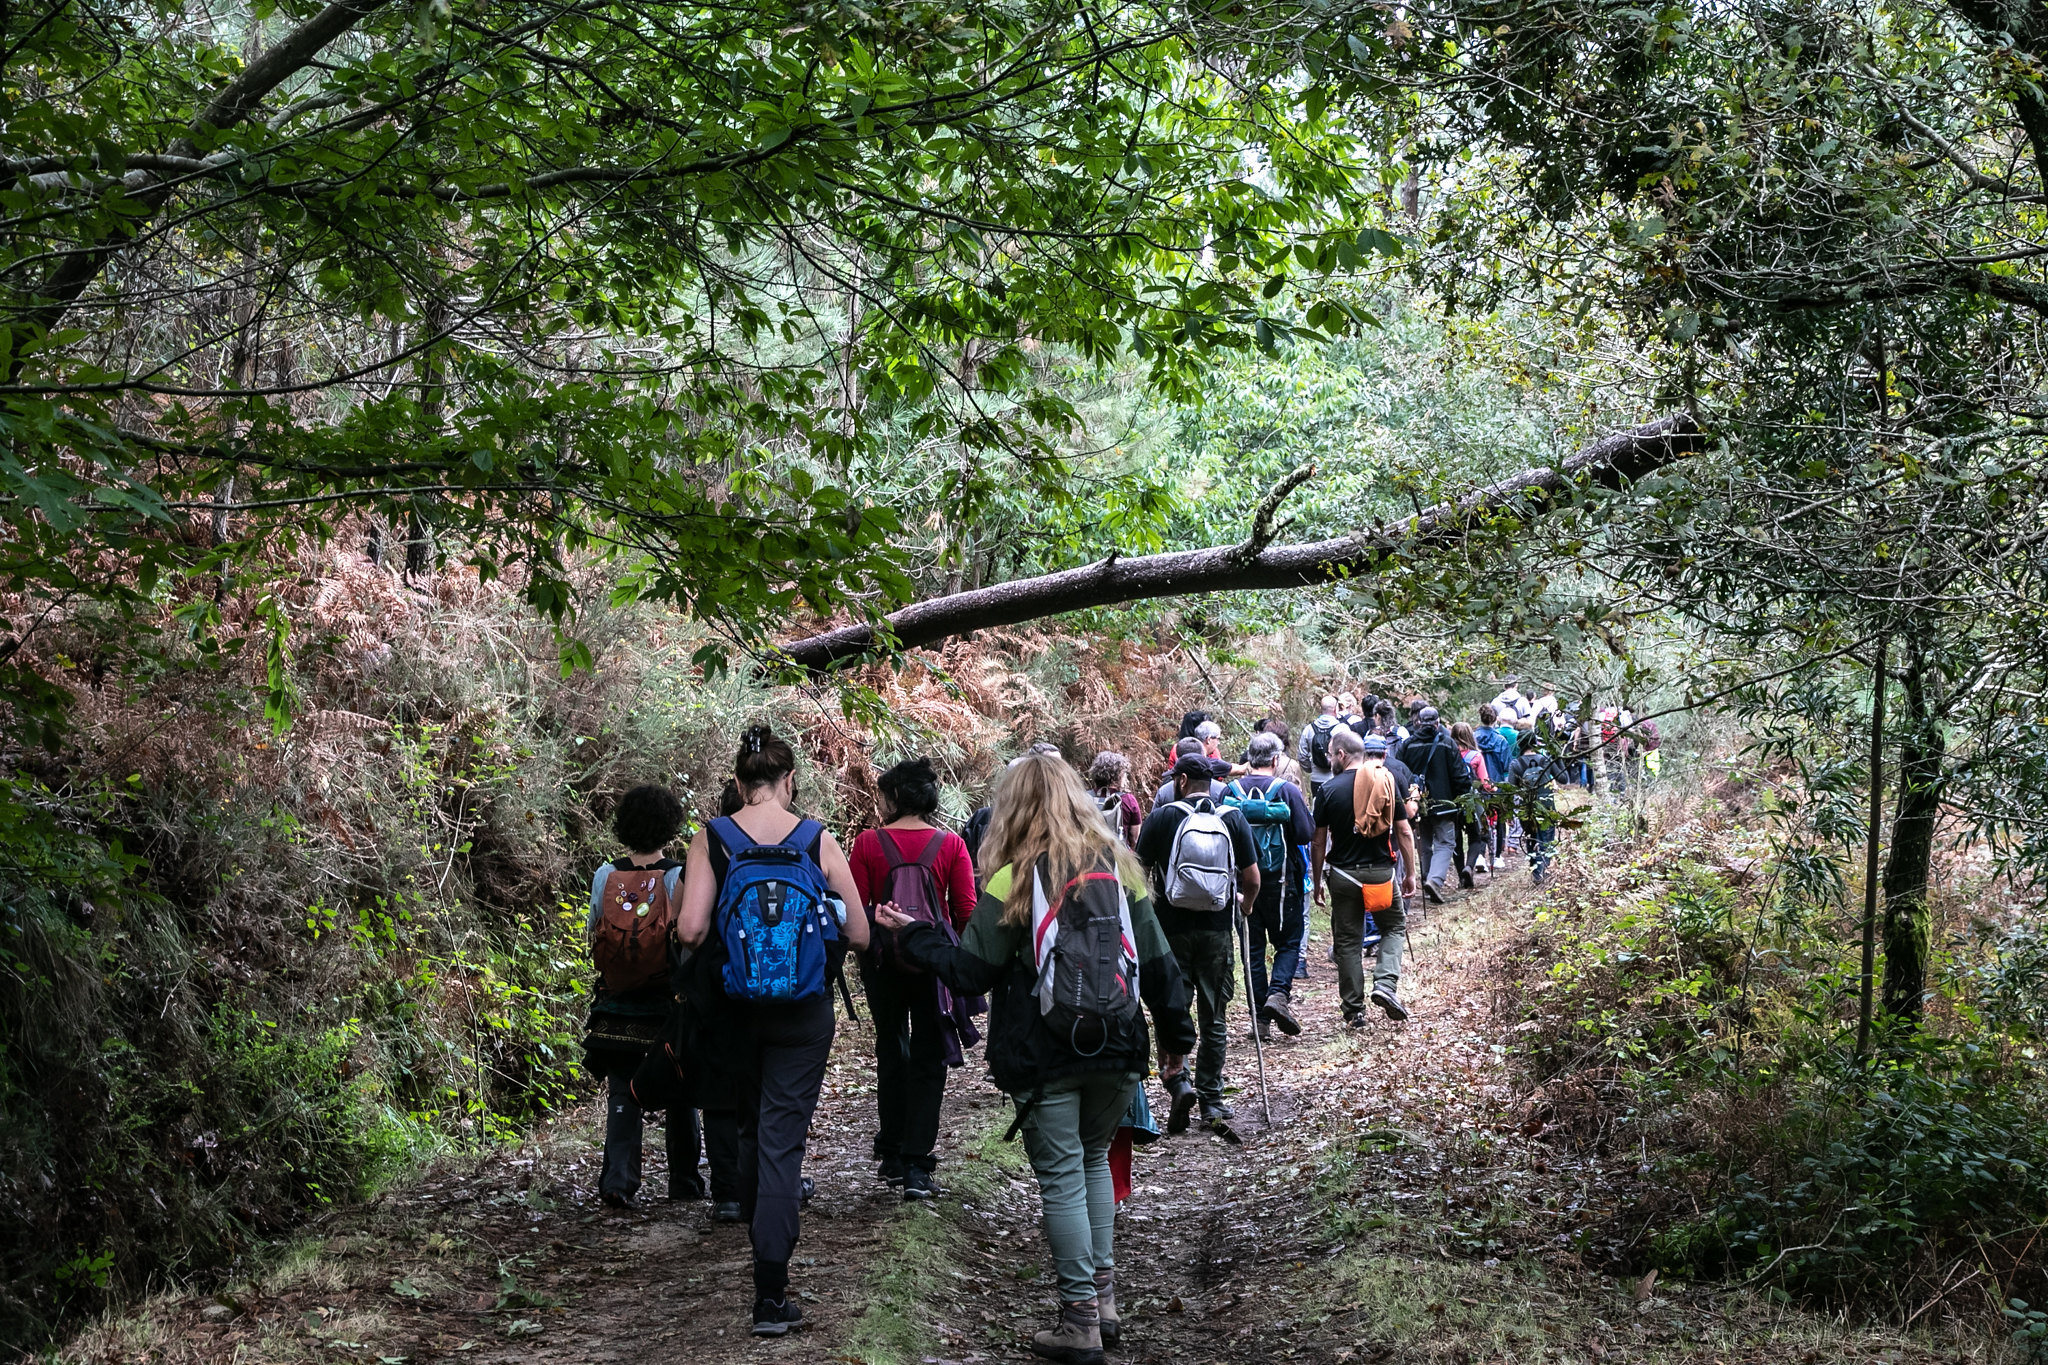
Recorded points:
(1201, 871)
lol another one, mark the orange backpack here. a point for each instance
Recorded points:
(635, 923)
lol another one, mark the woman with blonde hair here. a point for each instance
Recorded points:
(1062, 932)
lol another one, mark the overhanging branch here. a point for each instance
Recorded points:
(1610, 462)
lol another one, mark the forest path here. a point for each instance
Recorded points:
(1394, 1211)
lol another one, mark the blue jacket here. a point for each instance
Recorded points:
(1499, 751)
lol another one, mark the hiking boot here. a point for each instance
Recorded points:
(1263, 1031)
(1465, 880)
(1183, 1092)
(726, 1211)
(1280, 1010)
(687, 1191)
(1436, 897)
(1217, 1112)
(774, 1317)
(1105, 1306)
(1384, 997)
(613, 1199)
(917, 1185)
(891, 1170)
(1078, 1338)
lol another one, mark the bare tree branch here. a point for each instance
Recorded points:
(1612, 462)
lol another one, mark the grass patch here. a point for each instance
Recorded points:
(922, 1245)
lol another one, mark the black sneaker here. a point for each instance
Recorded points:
(774, 1319)
(689, 1192)
(616, 1200)
(806, 1190)
(1178, 1086)
(1384, 998)
(891, 1170)
(1354, 1020)
(726, 1211)
(917, 1185)
(1465, 880)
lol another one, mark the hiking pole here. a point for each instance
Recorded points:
(1244, 944)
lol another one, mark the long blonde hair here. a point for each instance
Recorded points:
(1043, 811)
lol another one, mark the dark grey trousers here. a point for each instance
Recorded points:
(785, 1068)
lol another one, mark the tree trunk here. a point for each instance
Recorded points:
(1253, 565)
(1909, 868)
(419, 534)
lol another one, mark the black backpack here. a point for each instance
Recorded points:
(1319, 741)
(1086, 961)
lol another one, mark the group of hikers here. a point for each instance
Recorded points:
(1066, 912)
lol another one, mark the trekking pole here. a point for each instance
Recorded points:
(1244, 944)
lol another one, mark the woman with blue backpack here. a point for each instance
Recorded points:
(1064, 940)
(758, 892)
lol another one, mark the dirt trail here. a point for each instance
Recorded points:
(1394, 1211)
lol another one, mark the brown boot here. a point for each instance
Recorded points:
(1105, 1306)
(1078, 1338)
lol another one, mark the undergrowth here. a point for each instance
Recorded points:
(1687, 990)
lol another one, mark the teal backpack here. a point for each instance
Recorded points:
(1268, 820)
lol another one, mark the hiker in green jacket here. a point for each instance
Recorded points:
(1061, 935)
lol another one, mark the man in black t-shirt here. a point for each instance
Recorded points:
(1202, 940)
(1358, 867)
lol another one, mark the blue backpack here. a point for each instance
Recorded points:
(772, 915)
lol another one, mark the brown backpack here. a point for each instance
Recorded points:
(635, 922)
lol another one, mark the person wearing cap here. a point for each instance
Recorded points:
(1315, 743)
(1441, 771)
(1204, 942)
(1350, 865)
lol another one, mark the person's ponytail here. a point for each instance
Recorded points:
(762, 759)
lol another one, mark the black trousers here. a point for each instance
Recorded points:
(721, 1147)
(624, 1120)
(910, 1064)
(786, 1046)
(622, 1137)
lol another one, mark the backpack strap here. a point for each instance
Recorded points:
(805, 838)
(928, 858)
(728, 832)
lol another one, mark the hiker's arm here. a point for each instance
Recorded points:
(840, 878)
(1404, 834)
(693, 920)
(1317, 847)
(972, 968)
(1301, 825)
(1247, 858)
(597, 882)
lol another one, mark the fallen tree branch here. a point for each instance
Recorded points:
(1611, 462)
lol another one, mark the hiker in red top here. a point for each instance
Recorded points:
(920, 1028)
